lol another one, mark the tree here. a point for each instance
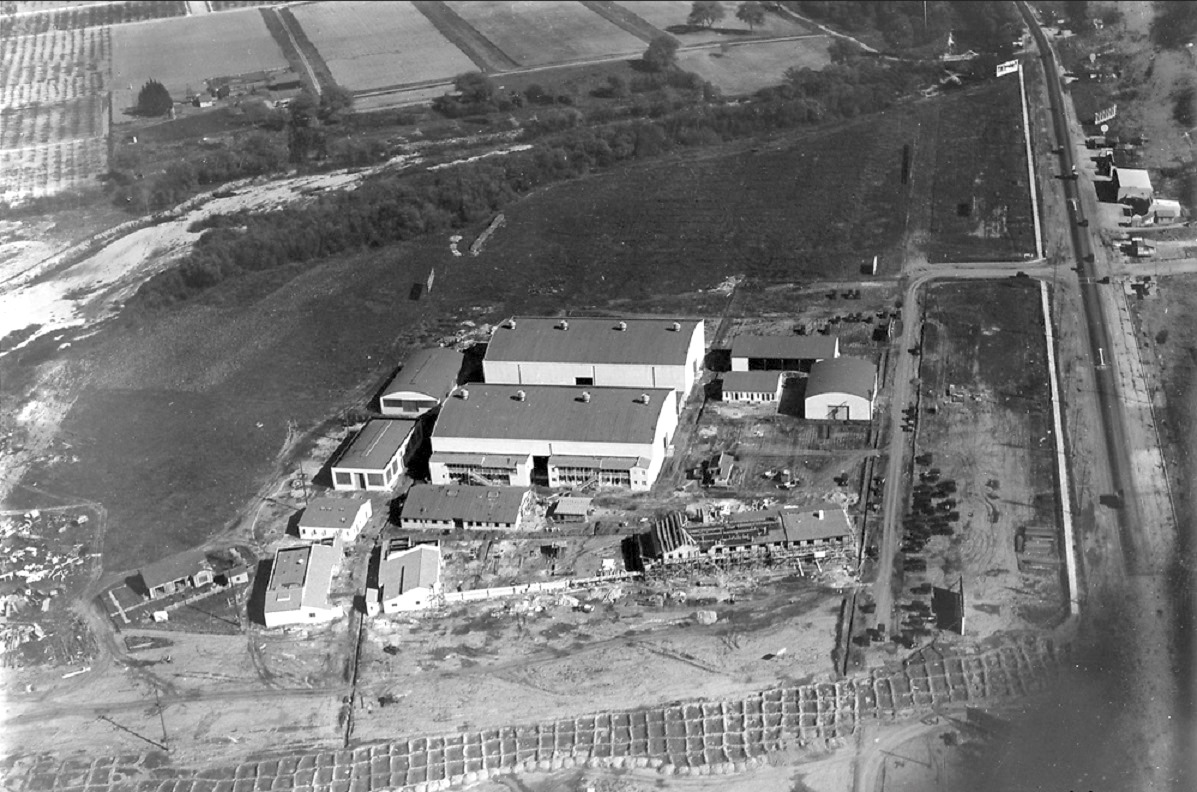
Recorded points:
(661, 54)
(153, 99)
(842, 50)
(334, 102)
(751, 13)
(474, 87)
(705, 12)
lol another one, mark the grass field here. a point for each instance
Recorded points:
(201, 47)
(376, 45)
(671, 15)
(743, 70)
(540, 33)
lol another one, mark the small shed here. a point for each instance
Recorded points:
(570, 509)
(1163, 211)
(752, 387)
(235, 575)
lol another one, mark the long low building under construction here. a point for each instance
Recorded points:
(766, 534)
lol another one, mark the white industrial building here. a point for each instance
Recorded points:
(557, 436)
(328, 518)
(589, 352)
(409, 579)
(299, 582)
(752, 387)
(427, 377)
(842, 389)
(377, 456)
(432, 507)
(781, 352)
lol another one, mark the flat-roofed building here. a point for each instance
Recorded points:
(326, 518)
(752, 352)
(377, 456)
(427, 377)
(432, 507)
(602, 352)
(752, 387)
(299, 582)
(556, 436)
(409, 579)
(843, 389)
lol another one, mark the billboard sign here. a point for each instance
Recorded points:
(1102, 116)
(1007, 68)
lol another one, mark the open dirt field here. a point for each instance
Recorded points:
(376, 45)
(541, 33)
(671, 15)
(743, 70)
(201, 47)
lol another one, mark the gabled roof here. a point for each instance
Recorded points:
(851, 375)
(1133, 177)
(572, 506)
(300, 577)
(460, 502)
(376, 443)
(552, 413)
(538, 339)
(751, 381)
(168, 570)
(331, 512)
(432, 372)
(419, 567)
(785, 347)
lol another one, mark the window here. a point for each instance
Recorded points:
(583, 380)
(374, 480)
(343, 478)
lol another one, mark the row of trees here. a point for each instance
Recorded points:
(705, 13)
(394, 207)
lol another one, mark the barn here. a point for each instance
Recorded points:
(781, 353)
(299, 582)
(327, 518)
(752, 387)
(1133, 184)
(842, 389)
(409, 579)
(427, 377)
(377, 456)
(555, 436)
(431, 507)
(603, 352)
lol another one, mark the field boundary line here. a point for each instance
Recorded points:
(1031, 183)
(1074, 603)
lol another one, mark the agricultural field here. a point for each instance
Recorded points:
(543, 33)
(368, 46)
(745, 69)
(201, 47)
(671, 16)
(53, 113)
(88, 15)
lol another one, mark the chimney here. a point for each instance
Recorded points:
(463, 394)
(819, 514)
(511, 323)
(622, 326)
(586, 397)
(676, 327)
(564, 324)
(520, 395)
(642, 399)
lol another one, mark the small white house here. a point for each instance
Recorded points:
(326, 518)
(410, 580)
(841, 389)
(752, 387)
(299, 583)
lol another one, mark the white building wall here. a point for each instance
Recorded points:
(501, 371)
(819, 406)
(438, 472)
(302, 616)
(413, 599)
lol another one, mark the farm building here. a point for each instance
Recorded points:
(409, 579)
(236, 575)
(553, 436)
(630, 353)
(171, 575)
(1163, 211)
(570, 510)
(1133, 184)
(841, 390)
(427, 377)
(781, 353)
(752, 387)
(326, 518)
(431, 507)
(299, 581)
(779, 532)
(377, 456)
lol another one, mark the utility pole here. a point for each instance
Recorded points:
(161, 718)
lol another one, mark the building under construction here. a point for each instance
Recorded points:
(776, 534)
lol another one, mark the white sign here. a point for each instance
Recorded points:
(1101, 116)
(1007, 68)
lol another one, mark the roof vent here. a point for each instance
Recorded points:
(642, 399)
(676, 327)
(511, 323)
(586, 397)
(520, 395)
(622, 326)
(563, 324)
(819, 514)
(463, 394)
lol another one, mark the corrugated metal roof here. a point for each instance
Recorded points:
(751, 381)
(432, 372)
(572, 506)
(376, 444)
(552, 413)
(331, 512)
(305, 570)
(168, 570)
(459, 502)
(785, 347)
(419, 567)
(851, 375)
(538, 339)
